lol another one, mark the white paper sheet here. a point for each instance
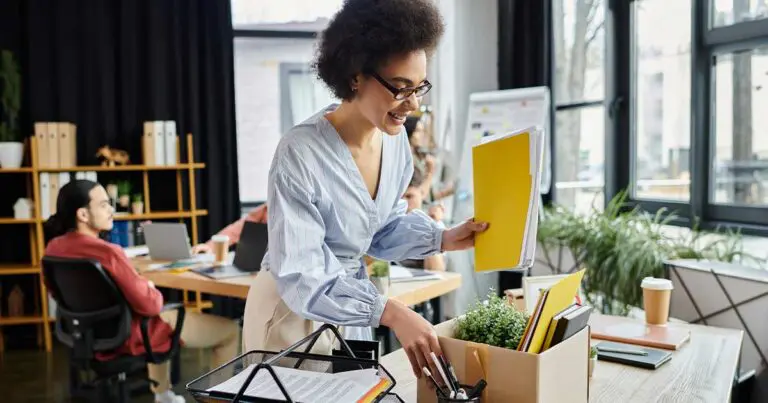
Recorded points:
(304, 386)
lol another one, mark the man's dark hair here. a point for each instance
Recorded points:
(364, 34)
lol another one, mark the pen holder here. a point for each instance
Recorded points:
(442, 399)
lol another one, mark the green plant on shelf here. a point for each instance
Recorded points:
(10, 97)
(494, 322)
(138, 198)
(123, 188)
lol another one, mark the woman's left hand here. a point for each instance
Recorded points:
(462, 236)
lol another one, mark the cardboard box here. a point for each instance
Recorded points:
(560, 374)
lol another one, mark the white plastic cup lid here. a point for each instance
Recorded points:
(220, 238)
(652, 283)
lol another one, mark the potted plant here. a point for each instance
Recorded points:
(11, 145)
(137, 206)
(621, 245)
(493, 322)
(592, 359)
(124, 193)
(380, 276)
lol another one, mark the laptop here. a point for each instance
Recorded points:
(169, 241)
(249, 253)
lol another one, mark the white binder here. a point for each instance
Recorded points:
(159, 138)
(169, 133)
(45, 196)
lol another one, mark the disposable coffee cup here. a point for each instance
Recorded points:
(656, 294)
(220, 247)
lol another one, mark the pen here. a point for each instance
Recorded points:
(434, 382)
(621, 351)
(440, 370)
(451, 374)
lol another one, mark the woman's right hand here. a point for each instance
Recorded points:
(415, 334)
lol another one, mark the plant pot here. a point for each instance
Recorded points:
(592, 364)
(124, 201)
(137, 208)
(11, 154)
(382, 284)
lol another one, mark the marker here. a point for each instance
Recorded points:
(622, 351)
(440, 370)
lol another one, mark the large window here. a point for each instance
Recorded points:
(661, 99)
(274, 45)
(694, 133)
(579, 154)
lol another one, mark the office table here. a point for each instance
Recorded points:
(701, 371)
(409, 293)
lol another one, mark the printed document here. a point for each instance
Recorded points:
(304, 386)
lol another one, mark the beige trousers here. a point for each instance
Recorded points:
(200, 331)
(271, 326)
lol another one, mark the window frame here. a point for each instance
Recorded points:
(706, 43)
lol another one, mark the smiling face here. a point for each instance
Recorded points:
(377, 103)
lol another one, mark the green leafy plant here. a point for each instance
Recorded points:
(123, 188)
(622, 244)
(494, 322)
(138, 198)
(593, 352)
(379, 268)
(10, 97)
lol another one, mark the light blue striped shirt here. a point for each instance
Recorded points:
(322, 221)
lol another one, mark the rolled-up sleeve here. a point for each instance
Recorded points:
(406, 235)
(310, 279)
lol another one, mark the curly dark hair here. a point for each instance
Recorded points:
(364, 34)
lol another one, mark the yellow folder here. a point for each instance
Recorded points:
(559, 297)
(504, 174)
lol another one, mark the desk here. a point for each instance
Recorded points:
(409, 293)
(701, 371)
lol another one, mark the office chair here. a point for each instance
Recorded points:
(92, 317)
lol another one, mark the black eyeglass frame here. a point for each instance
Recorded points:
(403, 93)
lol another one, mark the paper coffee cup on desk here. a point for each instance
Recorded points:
(220, 247)
(656, 295)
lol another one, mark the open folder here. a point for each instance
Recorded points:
(506, 178)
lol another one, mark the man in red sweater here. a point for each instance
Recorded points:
(83, 212)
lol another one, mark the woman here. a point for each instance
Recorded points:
(336, 185)
(83, 213)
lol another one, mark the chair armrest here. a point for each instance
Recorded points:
(175, 337)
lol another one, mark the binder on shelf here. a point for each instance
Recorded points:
(506, 180)
(148, 143)
(45, 195)
(41, 133)
(53, 189)
(159, 142)
(169, 131)
(263, 376)
(52, 146)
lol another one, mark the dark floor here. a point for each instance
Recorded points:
(36, 376)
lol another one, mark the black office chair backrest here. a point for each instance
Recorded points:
(92, 314)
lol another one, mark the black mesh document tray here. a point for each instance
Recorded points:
(268, 363)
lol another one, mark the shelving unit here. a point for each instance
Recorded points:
(35, 226)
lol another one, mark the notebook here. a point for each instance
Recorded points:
(567, 323)
(506, 173)
(632, 331)
(652, 360)
(399, 274)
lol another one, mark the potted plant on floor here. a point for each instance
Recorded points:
(137, 206)
(11, 145)
(380, 276)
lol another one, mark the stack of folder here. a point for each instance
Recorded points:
(506, 180)
(555, 319)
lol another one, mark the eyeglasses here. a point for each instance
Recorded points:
(403, 93)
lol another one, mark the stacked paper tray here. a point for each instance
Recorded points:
(294, 376)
